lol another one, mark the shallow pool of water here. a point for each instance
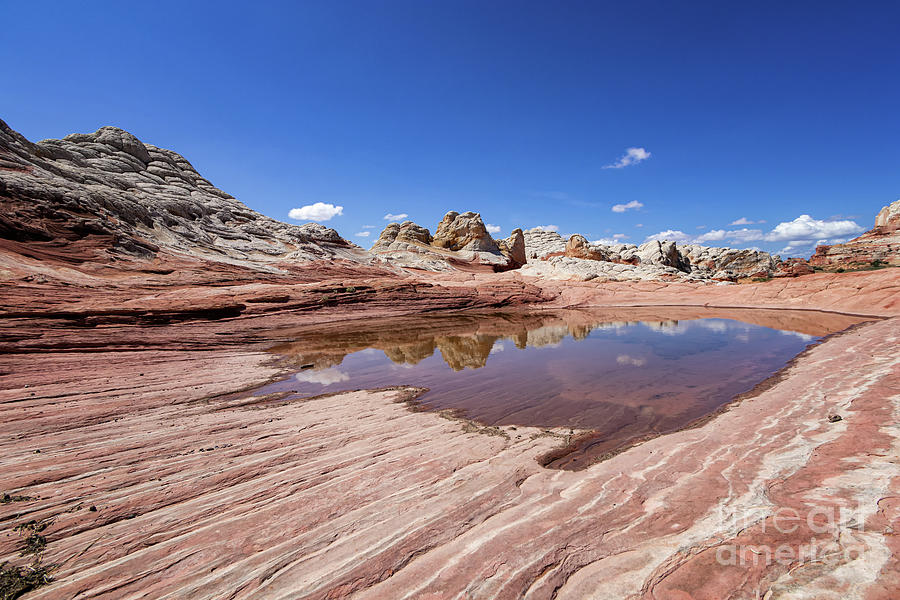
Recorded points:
(624, 375)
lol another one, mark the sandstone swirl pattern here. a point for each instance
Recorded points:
(105, 194)
(137, 308)
(203, 494)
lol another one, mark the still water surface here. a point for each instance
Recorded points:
(624, 379)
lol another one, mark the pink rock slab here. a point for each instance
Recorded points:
(205, 494)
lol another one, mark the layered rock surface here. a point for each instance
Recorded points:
(103, 195)
(513, 248)
(880, 246)
(550, 256)
(202, 491)
(541, 244)
(107, 196)
(460, 242)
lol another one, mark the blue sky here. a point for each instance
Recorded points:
(762, 111)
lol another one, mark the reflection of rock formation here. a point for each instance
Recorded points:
(580, 332)
(410, 354)
(321, 360)
(460, 352)
(549, 335)
(466, 340)
(667, 327)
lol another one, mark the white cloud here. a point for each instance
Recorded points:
(323, 377)
(368, 227)
(716, 325)
(799, 247)
(735, 235)
(620, 208)
(803, 336)
(806, 228)
(546, 228)
(319, 211)
(672, 235)
(711, 236)
(362, 234)
(668, 327)
(701, 226)
(393, 217)
(745, 235)
(746, 221)
(615, 239)
(624, 359)
(632, 156)
(806, 247)
(639, 225)
(492, 228)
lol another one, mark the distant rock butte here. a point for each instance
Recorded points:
(104, 196)
(541, 244)
(577, 258)
(878, 246)
(578, 247)
(461, 242)
(95, 196)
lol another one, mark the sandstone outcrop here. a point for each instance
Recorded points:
(578, 247)
(662, 260)
(888, 219)
(513, 248)
(728, 263)
(657, 259)
(662, 253)
(132, 434)
(793, 267)
(105, 194)
(406, 232)
(579, 269)
(204, 468)
(540, 244)
(880, 246)
(461, 242)
(409, 245)
(464, 231)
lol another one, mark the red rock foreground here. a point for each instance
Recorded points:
(156, 478)
(137, 305)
